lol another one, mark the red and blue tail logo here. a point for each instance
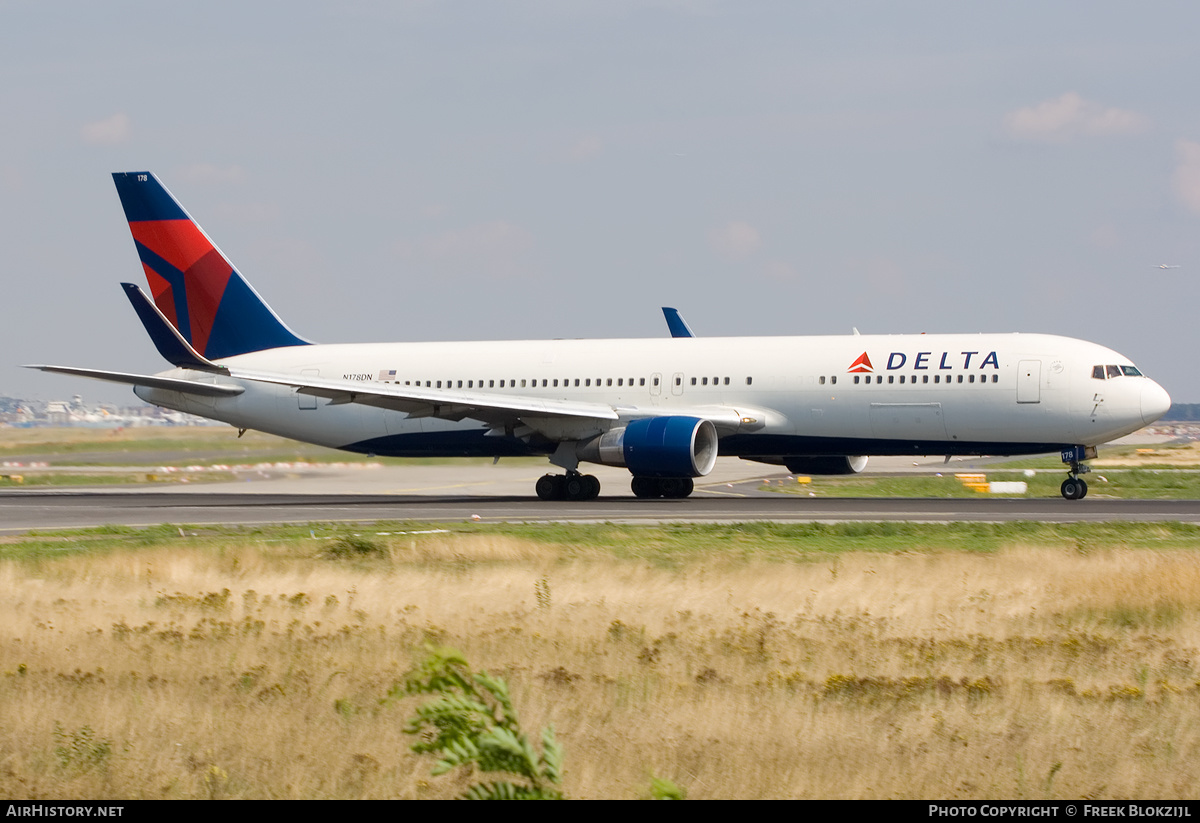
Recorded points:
(191, 282)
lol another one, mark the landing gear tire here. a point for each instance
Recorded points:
(1074, 488)
(668, 487)
(574, 487)
(644, 487)
(550, 487)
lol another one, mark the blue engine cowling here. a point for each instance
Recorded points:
(825, 464)
(658, 447)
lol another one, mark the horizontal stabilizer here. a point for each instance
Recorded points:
(152, 381)
(166, 338)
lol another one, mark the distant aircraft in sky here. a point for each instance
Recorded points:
(1165, 266)
(663, 408)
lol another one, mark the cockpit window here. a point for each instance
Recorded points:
(1109, 372)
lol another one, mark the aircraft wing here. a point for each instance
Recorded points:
(448, 404)
(492, 408)
(549, 415)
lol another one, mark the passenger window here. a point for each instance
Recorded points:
(693, 381)
(749, 381)
(960, 378)
(831, 380)
(856, 379)
(641, 381)
(901, 380)
(821, 380)
(891, 378)
(703, 381)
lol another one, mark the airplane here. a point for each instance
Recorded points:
(1166, 266)
(663, 408)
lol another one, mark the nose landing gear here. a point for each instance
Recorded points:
(1075, 487)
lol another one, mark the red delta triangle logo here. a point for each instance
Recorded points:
(861, 365)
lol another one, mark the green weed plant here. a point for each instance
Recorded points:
(472, 723)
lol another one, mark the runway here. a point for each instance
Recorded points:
(24, 511)
(734, 492)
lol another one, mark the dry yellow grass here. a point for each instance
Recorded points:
(1182, 456)
(255, 672)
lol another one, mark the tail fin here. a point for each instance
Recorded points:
(193, 284)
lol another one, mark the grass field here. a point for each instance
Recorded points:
(822, 660)
(184, 445)
(1135, 483)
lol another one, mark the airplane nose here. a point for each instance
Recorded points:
(1155, 402)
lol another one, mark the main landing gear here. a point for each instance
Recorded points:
(670, 487)
(571, 486)
(1075, 487)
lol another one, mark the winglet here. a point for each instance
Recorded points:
(676, 323)
(166, 338)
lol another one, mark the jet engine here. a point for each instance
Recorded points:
(826, 464)
(657, 447)
(815, 464)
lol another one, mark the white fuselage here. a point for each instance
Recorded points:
(914, 394)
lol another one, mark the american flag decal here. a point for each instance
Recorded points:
(387, 375)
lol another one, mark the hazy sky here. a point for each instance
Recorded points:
(479, 170)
